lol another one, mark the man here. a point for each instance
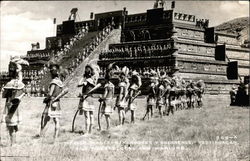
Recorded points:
(133, 92)
(13, 92)
(172, 97)
(160, 93)
(89, 83)
(190, 94)
(121, 102)
(151, 94)
(52, 109)
(200, 91)
(109, 90)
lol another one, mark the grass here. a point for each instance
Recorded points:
(205, 124)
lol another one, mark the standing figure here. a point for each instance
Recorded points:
(52, 109)
(172, 98)
(88, 83)
(13, 92)
(133, 93)
(160, 93)
(151, 94)
(123, 85)
(167, 93)
(200, 91)
(183, 94)
(190, 94)
(109, 90)
(233, 94)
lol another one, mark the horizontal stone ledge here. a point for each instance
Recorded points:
(137, 58)
(201, 72)
(160, 41)
(202, 61)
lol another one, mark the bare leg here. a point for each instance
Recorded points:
(132, 116)
(123, 116)
(107, 121)
(120, 116)
(87, 120)
(151, 109)
(166, 107)
(91, 121)
(12, 135)
(160, 112)
(57, 127)
(147, 113)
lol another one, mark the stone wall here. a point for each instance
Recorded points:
(195, 49)
(228, 40)
(189, 34)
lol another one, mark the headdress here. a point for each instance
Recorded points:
(153, 75)
(109, 72)
(125, 71)
(137, 79)
(96, 70)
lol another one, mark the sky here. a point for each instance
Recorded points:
(26, 22)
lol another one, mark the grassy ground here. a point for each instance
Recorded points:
(140, 141)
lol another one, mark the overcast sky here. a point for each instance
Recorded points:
(26, 22)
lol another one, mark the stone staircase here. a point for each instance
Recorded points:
(65, 60)
(72, 81)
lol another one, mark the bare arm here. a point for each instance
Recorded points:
(82, 82)
(121, 93)
(64, 91)
(51, 89)
(105, 93)
(113, 92)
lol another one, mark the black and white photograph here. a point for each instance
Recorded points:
(124, 80)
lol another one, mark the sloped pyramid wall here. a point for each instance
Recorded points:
(72, 81)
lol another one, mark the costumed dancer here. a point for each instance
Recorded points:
(133, 92)
(200, 91)
(178, 93)
(167, 93)
(13, 92)
(109, 90)
(89, 83)
(151, 94)
(183, 93)
(160, 93)
(233, 94)
(52, 109)
(190, 94)
(161, 90)
(172, 98)
(123, 85)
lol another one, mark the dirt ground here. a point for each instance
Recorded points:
(212, 133)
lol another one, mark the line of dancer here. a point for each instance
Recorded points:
(164, 93)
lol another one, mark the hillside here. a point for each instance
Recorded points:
(240, 25)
